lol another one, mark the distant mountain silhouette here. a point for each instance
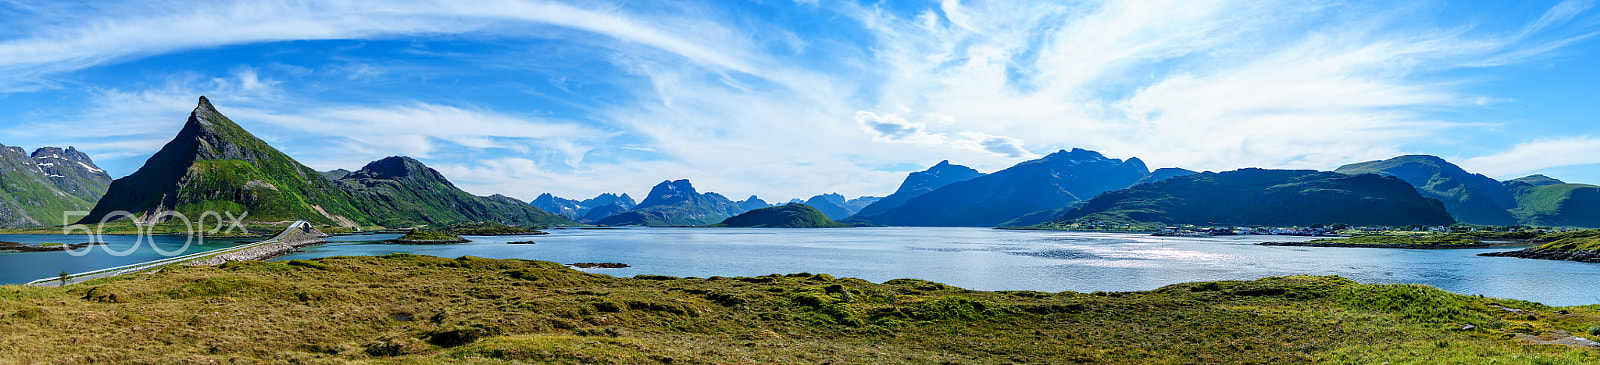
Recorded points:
(1048, 183)
(921, 182)
(752, 203)
(676, 203)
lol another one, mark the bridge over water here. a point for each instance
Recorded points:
(298, 234)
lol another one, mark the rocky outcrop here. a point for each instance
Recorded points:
(1373, 245)
(1549, 254)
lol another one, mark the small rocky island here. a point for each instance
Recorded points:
(1583, 246)
(598, 265)
(1415, 242)
(491, 229)
(428, 237)
(47, 247)
(792, 215)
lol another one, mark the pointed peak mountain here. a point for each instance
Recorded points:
(921, 182)
(752, 203)
(605, 199)
(214, 163)
(668, 192)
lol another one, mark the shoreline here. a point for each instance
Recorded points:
(1554, 255)
(23, 247)
(1393, 245)
(425, 242)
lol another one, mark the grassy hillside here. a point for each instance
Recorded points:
(1470, 198)
(402, 192)
(1558, 205)
(417, 309)
(792, 215)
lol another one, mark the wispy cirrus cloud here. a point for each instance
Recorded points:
(1213, 85)
(840, 97)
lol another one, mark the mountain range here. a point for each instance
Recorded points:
(37, 189)
(1048, 183)
(213, 164)
(922, 182)
(676, 203)
(1474, 198)
(1268, 198)
(1470, 198)
(835, 206)
(588, 210)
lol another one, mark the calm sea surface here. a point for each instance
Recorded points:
(973, 258)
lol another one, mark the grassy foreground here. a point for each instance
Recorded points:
(418, 309)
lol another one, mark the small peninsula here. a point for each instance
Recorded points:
(1583, 246)
(1415, 242)
(792, 215)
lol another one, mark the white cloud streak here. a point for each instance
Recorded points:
(1531, 156)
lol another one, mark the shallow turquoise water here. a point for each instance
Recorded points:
(974, 258)
(21, 267)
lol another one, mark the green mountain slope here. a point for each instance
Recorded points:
(1470, 198)
(1266, 197)
(215, 165)
(401, 191)
(1559, 205)
(676, 203)
(36, 189)
(1535, 180)
(792, 215)
(1052, 182)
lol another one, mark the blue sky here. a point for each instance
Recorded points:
(794, 98)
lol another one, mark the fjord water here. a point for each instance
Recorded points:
(972, 258)
(989, 259)
(22, 267)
